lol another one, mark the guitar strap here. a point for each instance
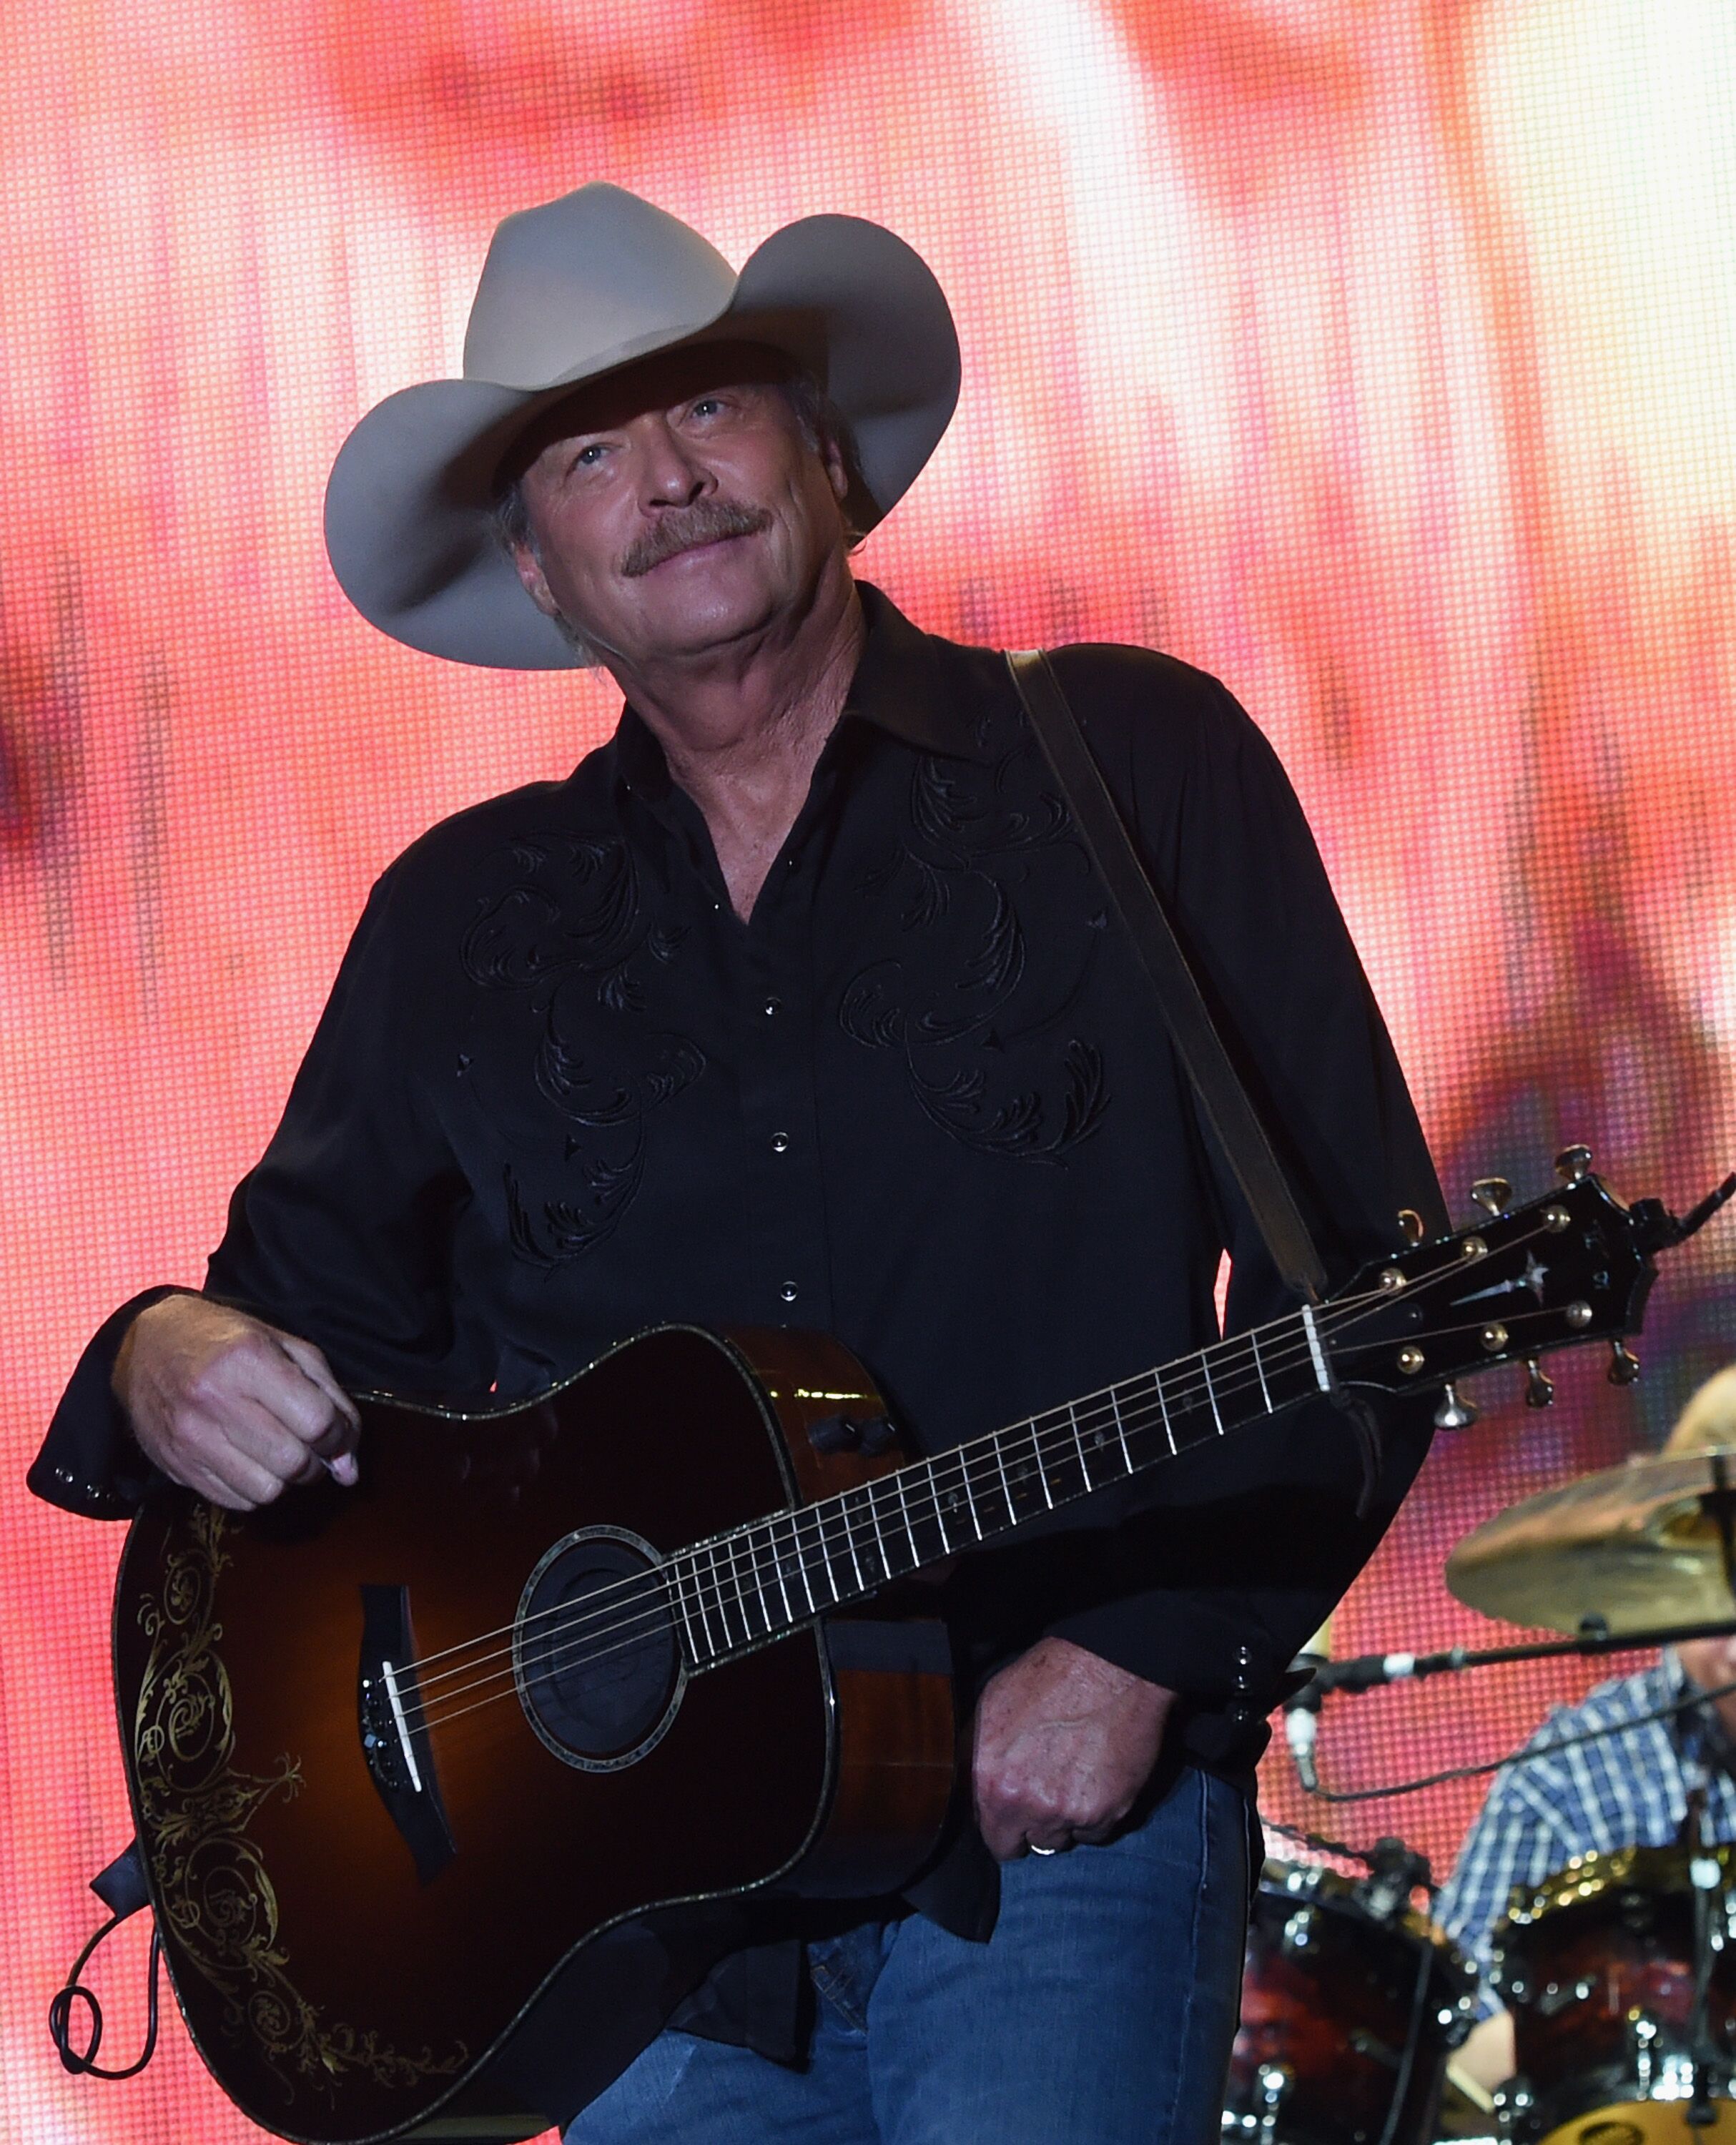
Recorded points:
(1136, 901)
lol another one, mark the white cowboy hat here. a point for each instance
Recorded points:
(573, 290)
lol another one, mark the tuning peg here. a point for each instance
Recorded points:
(1411, 1224)
(1573, 1164)
(1624, 1368)
(1540, 1390)
(1454, 1413)
(1493, 1194)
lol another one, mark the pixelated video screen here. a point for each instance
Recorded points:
(1376, 356)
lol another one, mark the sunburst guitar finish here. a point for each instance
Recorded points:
(362, 1954)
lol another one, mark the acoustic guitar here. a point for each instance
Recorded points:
(440, 1781)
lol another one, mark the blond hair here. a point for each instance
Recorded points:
(1710, 1418)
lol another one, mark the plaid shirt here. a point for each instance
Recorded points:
(1628, 1789)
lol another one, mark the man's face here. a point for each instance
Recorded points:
(677, 507)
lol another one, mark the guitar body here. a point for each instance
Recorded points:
(356, 1960)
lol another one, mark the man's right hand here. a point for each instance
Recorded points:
(230, 1407)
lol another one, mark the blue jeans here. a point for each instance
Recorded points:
(1100, 2012)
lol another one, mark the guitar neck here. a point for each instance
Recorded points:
(744, 1589)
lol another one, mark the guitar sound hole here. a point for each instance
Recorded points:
(598, 1663)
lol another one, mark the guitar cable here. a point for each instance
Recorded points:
(83, 2063)
(123, 1889)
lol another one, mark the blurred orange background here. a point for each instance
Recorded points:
(1374, 353)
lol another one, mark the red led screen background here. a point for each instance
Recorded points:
(1373, 354)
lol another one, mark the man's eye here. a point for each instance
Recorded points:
(588, 457)
(707, 405)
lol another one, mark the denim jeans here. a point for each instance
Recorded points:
(1100, 2012)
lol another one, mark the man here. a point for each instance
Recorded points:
(1627, 1788)
(798, 1003)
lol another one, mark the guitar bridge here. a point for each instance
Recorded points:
(395, 1739)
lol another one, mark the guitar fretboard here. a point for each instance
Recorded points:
(741, 1590)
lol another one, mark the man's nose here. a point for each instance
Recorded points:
(669, 474)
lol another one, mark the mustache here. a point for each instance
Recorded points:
(707, 521)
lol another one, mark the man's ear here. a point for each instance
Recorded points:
(838, 472)
(536, 582)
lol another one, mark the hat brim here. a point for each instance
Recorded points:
(408, 507)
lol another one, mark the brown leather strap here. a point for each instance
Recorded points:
(1135, 901)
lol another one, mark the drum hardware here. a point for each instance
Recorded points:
(1556, 1998)
(1705, 1877)
(1271, 2087)
(1350, 2004)
(1652, 2071)
(1514, 2101)
(1297, 1930)
(1395, 1872)
(1620, 1972)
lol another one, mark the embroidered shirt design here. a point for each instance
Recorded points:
(569, 933)
(976, 1002)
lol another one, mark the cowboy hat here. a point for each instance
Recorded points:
(573, 290)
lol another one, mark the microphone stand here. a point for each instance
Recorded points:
(1362, 1672)
(1705, 1877)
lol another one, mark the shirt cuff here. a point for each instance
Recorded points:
(90, 1462)
(1176, 1640)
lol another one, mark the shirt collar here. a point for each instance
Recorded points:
(900, 687)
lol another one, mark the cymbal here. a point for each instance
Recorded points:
(1632, 1544)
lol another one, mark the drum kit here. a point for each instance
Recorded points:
(1619, 1971)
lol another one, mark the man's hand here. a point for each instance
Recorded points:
(230, 1407)
(1064, 1741)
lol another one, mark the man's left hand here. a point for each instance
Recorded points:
(1064, 1741)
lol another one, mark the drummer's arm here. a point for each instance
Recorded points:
(1487, 2057)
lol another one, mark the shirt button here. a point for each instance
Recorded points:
(780, 1142)
(787, 1291)
(773, 1007)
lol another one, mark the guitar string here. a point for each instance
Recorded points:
(728, 1591)
(1277, 1363)
(814, 1542)
(1182, 1399)
(661, 1594)
(1345, 1309)
(1065, 1424)
(730, 1588)
(644, 1625)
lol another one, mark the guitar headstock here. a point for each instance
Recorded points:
(1572, 1267)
